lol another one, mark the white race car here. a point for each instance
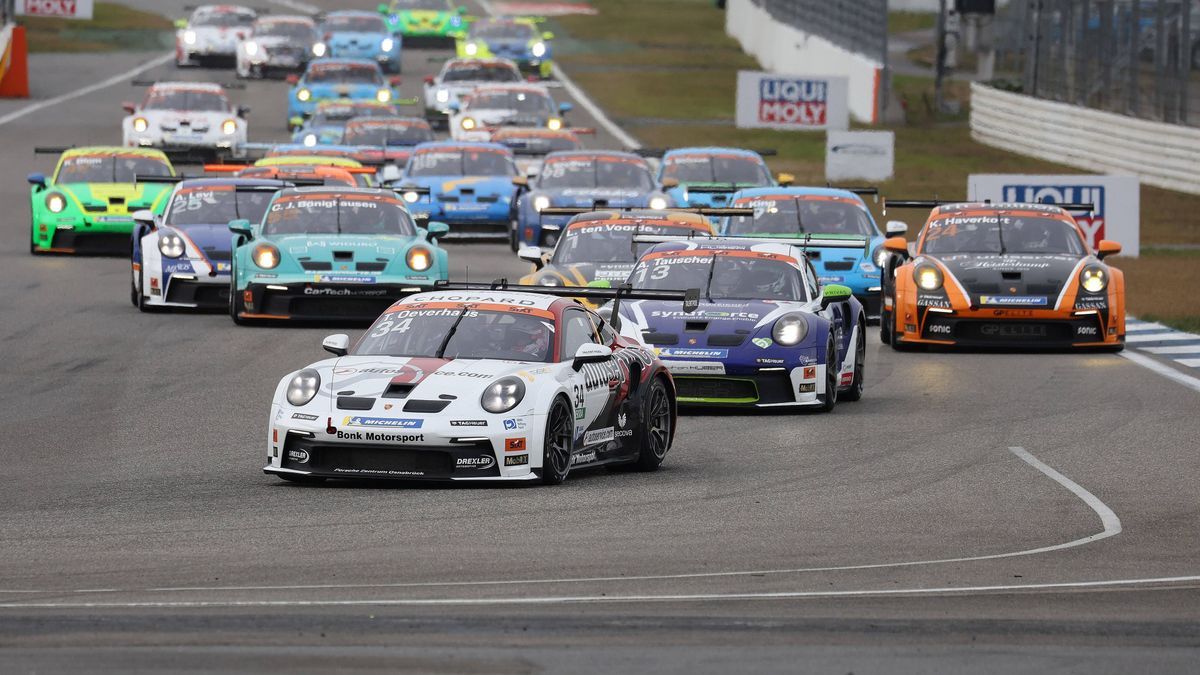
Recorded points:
(459, 77)
(495, 106)
(185, 118)
(182, 258)
(278, 44)
(212, 34)
(472, 383)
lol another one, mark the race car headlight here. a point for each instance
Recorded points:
(879, 256)
(310, 140)
(541, 202)
(928, 277)
(503, 395)
(303, 95)
(411, 196)
(387, 44)
(303, 387)
(442, 95)
(383, 96)
(251, 48)
(467, 123)
(189, 36)
(170, 245)
(265, 256)
(658, 203)
(55, 202)
(1094, 279)
(229, 127)
(140, 124)
(549, 281)
(471, 49)
(538, 49)
(789, 330)
(419, 259)
(554, 124)
(318, 49)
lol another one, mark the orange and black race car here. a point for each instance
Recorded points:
(984, 274)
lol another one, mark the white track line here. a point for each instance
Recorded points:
(1164, 370)
(1190, 363)
(34, 107)
(1111, 525)
(1131, 327)
(1158, 337)
(1174, 349)
(579, 95)
(610, 599)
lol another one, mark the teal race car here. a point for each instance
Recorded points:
(331, 253)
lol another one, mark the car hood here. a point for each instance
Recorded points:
(492, 186)
(718, 199)
(1038, 278)
(116, 196)
(494, 117)
(418, 378)
(214, 240)
(585, 273)
(275, 41)
(713, 329)
(507, 45)
(346, 38)
(349, 89)
(360, 247)
(589, 196)
(197, 119)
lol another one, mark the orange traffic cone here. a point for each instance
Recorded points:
(15, 81)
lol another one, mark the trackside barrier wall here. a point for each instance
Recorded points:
(1162, 155)
(14, 63)
(781, 48)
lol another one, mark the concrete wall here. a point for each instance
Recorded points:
(783, 49)
(1163, 155)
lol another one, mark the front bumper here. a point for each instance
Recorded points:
(774, 386)
(937, 328)
(88, 236)
(189, 291)
(312, 301)
(431, 450)
(469, 220)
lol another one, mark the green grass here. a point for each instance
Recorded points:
(906, 22)
(667, 72)
(113, 28)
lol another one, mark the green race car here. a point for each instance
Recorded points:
(87, 205)
(428, 21)
(324, 253)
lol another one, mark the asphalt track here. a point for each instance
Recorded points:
(976, 512)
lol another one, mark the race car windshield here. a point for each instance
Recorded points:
(182, 99)
(461, 163)
(727, 169)
(354, 24)
(222, 19)
(337, 214)
(1001, 234)
(479, 334)
(721, 277)
(382, 134)
(608, 243)
(481, 73)
(292, 29)
(109, 169)
(502, 30)
(216, 206)
(344, 74)
(803, 216)
(595, 173)
(520, 101)
(427, 5)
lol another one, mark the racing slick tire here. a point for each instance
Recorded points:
(831, 378)
(885, 328)
(855, 391)
(514, 241)
(556, 447)
(134, 294)
(656, 427)
(235, 304)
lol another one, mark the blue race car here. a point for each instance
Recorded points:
(710, 176)
(514, 38)
(766, 333)
(352, 34)
(587, 178)
(471, 186)
(329, 120)
(181, 256)
(340, 80)
(794, 212)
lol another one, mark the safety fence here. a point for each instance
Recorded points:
(859, 26)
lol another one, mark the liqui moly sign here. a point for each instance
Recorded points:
(775, 101)
(62, 9)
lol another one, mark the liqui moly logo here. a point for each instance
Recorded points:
(784, 100)
(1092, 223)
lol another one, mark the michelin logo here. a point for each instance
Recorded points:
(387, 422)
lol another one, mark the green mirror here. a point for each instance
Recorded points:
(600, 283)
(834, 293)
(437, 230)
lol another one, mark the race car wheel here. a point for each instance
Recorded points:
(831, 377)
(133, 292)
(556, 450)
(885, 328)
(656, 428)
(235, 303)
(514, 239)
(855, 392)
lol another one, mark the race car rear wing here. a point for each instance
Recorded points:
(283, 182)
(702, 210)
(860, 191)
(223, 85)
(659, 152)
(934, 203)
(52, 150)
(234, 168)
(806, 242)
(690, 298)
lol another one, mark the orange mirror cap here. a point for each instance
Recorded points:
(896, 245)
(1107, 247)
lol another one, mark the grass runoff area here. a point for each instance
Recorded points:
(667, 72)
(113, 28)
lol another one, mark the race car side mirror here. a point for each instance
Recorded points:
(896, 228)
(144, 217)
(1107, 247)
(293, 79)
(395, 80)
(547, 35)
(785, 179)
(454, 106)
(590, 352)
(38, 180)
(241, 227)
(896, 245)
(428, 79)
(461, 10)
(565, 107)
(437, 230)
(532, 254)
(129, 107)
(337, 344)
(600, 283)
(834, 293)
(520, 181)
(382, 8)
(243, 110)
(181, 23)
(669, 183)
